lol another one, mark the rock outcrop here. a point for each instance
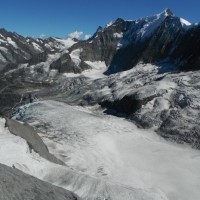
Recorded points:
(31, 136)
(16, 185)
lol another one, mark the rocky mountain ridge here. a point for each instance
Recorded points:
(16, 49)
(15, 184)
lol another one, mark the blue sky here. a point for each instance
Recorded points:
(61, 17)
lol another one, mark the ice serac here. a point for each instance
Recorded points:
(16, 185)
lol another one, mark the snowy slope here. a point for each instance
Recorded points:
(97, 70)
(113, 149)
(67, 43)
(14, 152)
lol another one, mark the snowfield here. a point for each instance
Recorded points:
(110, 157)
(15, 152)
(96, 71)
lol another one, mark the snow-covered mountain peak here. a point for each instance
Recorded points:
(168, 12)
(165, 13)
(144, 27)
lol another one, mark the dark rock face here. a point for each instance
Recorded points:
(9, 97)
(150, 50)
(16, 185)
(180, 133)
(128, 104)
(163, 40)
(65, 65)
(170, 42)
(103, 45)
(188, 48)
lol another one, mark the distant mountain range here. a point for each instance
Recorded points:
(160, 39)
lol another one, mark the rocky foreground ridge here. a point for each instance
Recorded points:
(14, 184)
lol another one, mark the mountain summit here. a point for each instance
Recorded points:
(168, 12)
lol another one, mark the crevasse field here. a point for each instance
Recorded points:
(106, 157)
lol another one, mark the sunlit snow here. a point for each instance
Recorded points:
(10, 41)
(66, 42)
(15, 153)
(75, 56)
(115, 150)
(185, 22)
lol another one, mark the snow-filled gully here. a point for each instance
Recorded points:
(106, 157)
